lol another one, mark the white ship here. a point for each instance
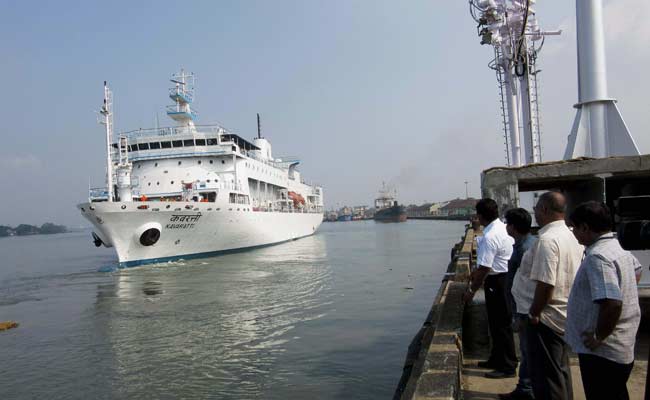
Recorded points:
(194, 191)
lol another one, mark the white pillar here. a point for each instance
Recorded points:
(598, 129)
(513, 116)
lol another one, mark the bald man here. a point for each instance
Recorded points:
(555, 260)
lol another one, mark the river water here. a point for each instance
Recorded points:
(325, 317)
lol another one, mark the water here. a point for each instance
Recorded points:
(325, 317)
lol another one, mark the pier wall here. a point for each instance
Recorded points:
(433, 365)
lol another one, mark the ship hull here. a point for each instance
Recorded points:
(391, 214)
(190, 229)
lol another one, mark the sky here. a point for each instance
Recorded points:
(362, 91)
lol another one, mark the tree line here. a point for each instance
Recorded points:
(25, 229)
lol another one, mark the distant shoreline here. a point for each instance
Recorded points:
(47, 228)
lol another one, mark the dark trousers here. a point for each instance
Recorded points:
(603, 378)
(502, 354)
(548, 363)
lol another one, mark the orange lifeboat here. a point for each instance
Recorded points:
(297, 198)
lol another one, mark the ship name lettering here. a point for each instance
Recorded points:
(185, 218)
(179, 226)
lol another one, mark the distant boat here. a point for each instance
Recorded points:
(387, 208)
(344, 217)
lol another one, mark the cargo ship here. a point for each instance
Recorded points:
(387, 208)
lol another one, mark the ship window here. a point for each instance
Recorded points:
(188, 142)
(172, 182)
(157, 183)
(234, 148)
(166, 145)
(154, 145)
(223, 161)
(200, 142)
(132, 148)
(149, 184)
(155, 164)
(210, 161)
(199, 162)
(114, 145)
(212, 142)
(180, 162)
(143, 146)
(139, 166)
(177, 143)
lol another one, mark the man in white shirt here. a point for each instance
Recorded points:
(555, 259)
(494, 251)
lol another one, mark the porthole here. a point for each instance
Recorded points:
(155, 164)
(199, 162)
(172, 182)
(210, 161)
(123, 206)
(139, 166)
(149, 184)
(168, 205)
(179, 163)
(223, 161)
(158, 183)
(208, 181)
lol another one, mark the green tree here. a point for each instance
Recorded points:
(49, 228)
(5, 230)
(24, 229)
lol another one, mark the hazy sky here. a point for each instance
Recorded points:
(362, 91)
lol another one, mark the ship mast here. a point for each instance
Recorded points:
(183, 95)
(107, 120)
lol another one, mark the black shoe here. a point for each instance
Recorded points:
(516, 395)
(486, 364)
(499, 374)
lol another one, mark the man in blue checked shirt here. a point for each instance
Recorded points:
(603, 312)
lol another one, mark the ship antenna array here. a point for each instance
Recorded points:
(106, 119)
(511, 27)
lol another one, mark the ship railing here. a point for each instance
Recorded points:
(184, 94)
(98, 193)
(196, 130)
(174, 109)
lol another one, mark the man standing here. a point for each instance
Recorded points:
(494, 250)
(555, 259)
(518, 223)
(603, 314)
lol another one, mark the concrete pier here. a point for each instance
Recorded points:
(441, 360)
